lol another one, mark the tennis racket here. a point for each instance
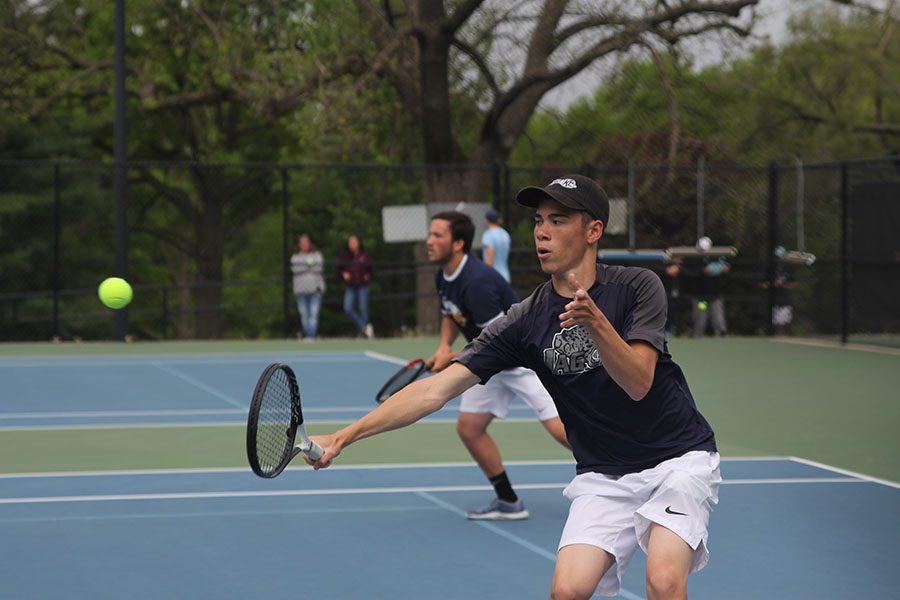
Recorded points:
(274, 421)
(401, 379)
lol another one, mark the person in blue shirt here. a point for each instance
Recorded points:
(495, 244)
(647, 468)
(473, 296)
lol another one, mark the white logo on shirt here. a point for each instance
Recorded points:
(573, 352)
(454, 312)
(567, 183)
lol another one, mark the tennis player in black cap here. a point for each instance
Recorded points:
(647, 467)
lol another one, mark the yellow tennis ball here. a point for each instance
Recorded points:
(115, 292)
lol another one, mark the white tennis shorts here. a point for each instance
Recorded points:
(494, 396)
(615, 513)
(782, 315)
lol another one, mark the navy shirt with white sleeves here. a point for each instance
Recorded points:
(474, 295)
(609, 432)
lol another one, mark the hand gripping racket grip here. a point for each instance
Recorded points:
(311, 449)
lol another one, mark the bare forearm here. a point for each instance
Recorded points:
(410, 404)
(449, 333)
(627, 366)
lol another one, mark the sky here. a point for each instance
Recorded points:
(773, 25)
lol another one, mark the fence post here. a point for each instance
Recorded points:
(496, 185)
(285, 255)
(701, 202)
(165, 313)
(56, 240)
(773, 241)
(505, 194)
(632, 203)
(120, 176)
(845, 254)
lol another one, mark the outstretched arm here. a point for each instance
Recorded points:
(444, 353)
(403, 408)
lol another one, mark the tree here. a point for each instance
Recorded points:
(435, 53)
(472, 73)
(207, 81)
(830, 92)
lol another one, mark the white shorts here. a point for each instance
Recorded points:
(494, 396)
(615, 513)
(782, 315)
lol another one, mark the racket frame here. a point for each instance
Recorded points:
(295, 430)
(417, 365)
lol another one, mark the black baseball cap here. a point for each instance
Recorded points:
(573, 191)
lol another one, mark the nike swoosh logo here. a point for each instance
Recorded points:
(674, 512)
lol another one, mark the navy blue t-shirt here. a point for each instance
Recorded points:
(609, 432)
(474, 295)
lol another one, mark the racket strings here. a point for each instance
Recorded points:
(273, 436)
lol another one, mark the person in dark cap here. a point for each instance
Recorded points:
(495, 243)
(647, 468)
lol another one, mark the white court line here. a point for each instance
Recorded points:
(490, 527)
(551, 556)
(356, 491)
(137, 361)
(167, 413)
(819, 465)
(215, 515)
(838, 345)
(386, 358)
(177, 425)
(371, 466)
(259, 494)
(201, 385)
(377, 467)
(123, 413)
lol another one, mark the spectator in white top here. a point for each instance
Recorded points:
(495, 243)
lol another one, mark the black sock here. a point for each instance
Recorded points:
(503, 487)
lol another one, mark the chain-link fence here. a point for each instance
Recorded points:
(209, 244)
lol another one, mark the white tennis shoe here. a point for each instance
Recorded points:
(499, 510)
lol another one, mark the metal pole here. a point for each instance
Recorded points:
(56, 239)
(165, 313)
(845, 254)
(632, 236)
(773, 240)
(506, 193)
(496, 185)
(120, 182)
(801, 232)
(701, 207)
(285, 254)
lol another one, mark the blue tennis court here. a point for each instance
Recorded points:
(185, 389)
(785, 527)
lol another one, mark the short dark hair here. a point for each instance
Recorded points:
(461, 227)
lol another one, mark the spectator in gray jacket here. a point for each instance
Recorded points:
(309, 285)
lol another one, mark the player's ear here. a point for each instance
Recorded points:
(594, 231)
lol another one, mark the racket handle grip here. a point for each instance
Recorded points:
(313, 450)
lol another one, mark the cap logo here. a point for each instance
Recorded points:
(566, 183)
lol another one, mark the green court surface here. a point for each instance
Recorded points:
(830, 404)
